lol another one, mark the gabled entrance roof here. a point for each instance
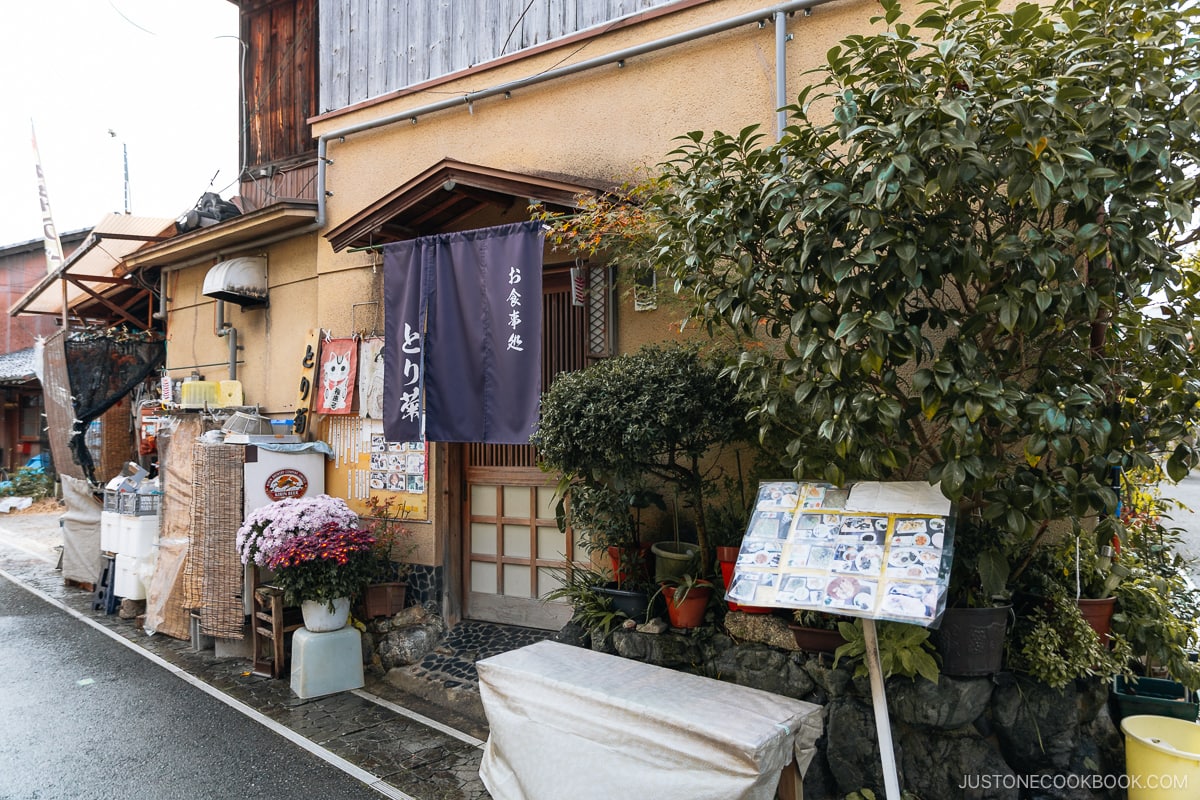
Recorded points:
(447, 192)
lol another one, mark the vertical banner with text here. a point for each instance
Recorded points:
(475, 334)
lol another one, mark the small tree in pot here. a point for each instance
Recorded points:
(639, 423)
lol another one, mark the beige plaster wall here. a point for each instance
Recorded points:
(600, 125)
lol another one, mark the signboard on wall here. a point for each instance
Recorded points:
(873, 550)
(367, 465)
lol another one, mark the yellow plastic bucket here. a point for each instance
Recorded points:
(1162, 757)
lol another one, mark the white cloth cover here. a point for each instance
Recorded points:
(566, 722)
(81, 531)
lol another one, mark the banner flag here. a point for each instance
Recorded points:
(54, 252)
(481, 300)
(403, 327)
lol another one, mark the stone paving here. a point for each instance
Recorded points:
(421, 761)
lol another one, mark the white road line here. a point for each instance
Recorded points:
(421, 718)
(356, 772)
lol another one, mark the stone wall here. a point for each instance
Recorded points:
(963, 738)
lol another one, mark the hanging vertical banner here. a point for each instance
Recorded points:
(339, 363)
(481, 302)
(370, 377)
(54, 252)
(403, 326)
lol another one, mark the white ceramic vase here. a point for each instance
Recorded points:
(318, 618)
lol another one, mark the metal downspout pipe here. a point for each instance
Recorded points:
(226, 329)
(781, 98)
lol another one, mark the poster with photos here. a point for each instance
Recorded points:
(397, 466)
(872, 549)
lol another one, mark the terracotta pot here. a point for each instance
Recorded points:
(641, 559)
(319, 619)
(689, 613)
(816, 640)
(383, 599)
(727, 566)
(1098, 613)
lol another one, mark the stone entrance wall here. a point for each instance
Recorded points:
(963, 738)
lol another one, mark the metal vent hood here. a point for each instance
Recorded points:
(242, 281)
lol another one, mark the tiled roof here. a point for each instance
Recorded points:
(17, 367)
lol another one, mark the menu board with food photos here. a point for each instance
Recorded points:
(871, 549)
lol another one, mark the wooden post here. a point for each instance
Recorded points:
(883, 726)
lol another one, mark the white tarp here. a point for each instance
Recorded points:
(81, 531)
(566, 722)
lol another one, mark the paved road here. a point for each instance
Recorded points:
(1187, 492)
(83, 716)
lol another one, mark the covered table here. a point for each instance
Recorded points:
(566, 722)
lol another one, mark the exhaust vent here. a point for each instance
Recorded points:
(242, 281)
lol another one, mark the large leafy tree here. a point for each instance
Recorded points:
(948, 256)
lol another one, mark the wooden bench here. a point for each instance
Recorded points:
(570, 722)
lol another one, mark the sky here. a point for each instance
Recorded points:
(161, 75)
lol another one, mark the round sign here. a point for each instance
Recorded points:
(286, 483)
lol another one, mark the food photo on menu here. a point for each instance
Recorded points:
(913, 562)
(845, 591)
(801, 590)
(750, 587)
(777, 496)
(760, 553)
(769, 525)
(910, 600)
(864, 559)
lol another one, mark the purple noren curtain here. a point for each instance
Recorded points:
(463, 326)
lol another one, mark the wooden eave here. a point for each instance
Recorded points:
(226, 236)
(446, 193)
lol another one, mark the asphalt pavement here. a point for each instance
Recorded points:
(85, 716)
(70, 670)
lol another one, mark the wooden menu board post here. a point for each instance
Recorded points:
(883, 724)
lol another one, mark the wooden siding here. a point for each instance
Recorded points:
(279, 80)
(372, 47)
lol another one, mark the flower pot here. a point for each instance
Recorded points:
(727, 557)
(1098, 613)
(630, 602)
(673, 560)
(383, 599)
(690, 612)
(318, 618)
(620, 561)
(816, 640)
(971, 640)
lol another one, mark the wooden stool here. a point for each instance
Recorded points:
(269, 630)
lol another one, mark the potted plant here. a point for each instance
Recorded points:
(817, 631)
(645, 422)
(267, 527)
(321, 571)
(594, 609)
(384, 594)
(904, 649)
(687, 599)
